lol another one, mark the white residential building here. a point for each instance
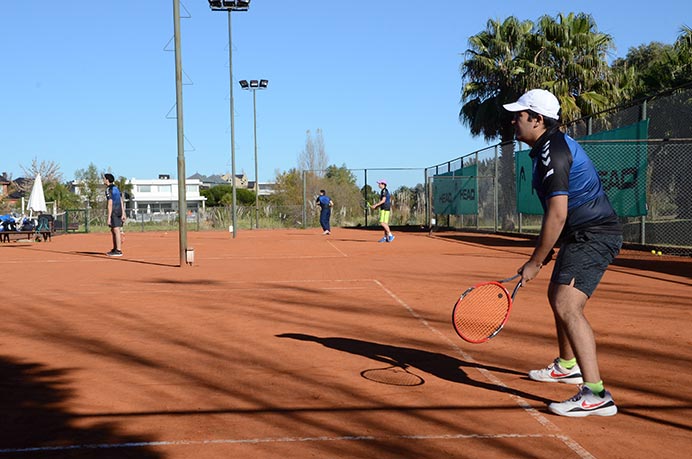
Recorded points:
(161, 195)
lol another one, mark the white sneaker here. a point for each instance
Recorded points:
(555, 373)
(586, 403)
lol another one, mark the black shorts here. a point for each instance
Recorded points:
(116, 221)
(585, 258)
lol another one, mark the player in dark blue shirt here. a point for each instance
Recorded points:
(326, 205)
(116, 214)
(578, 217)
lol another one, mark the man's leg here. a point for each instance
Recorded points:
(116, 238)
(574, 333)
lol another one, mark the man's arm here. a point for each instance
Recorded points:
(382, 201)
(553, 222)
(110, 211)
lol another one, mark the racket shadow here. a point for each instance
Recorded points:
(439, 365)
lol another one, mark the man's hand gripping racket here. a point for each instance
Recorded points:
(481, 311)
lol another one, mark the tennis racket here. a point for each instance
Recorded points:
(482, 310)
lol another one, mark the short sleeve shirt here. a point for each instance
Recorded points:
(323, 202)
(113, 194)
(562, 167)
(387, 199)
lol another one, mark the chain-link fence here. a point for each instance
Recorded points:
(643, 154)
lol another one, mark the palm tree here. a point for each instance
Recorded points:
(566, 55)
(571, 62)
(495, 73)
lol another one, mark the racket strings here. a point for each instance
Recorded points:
(480, 312)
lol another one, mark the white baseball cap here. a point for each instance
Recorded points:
(538, 100)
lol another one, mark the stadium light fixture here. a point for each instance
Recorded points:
(223, 5)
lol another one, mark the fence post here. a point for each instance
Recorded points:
(305, 215)
(365, 195)
(642, 222)
(495, 192)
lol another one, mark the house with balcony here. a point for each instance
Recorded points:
(161, 195)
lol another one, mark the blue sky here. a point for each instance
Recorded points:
(93, 82)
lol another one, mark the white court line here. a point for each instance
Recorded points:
(571, 444)
(270, 440)
(336, 248)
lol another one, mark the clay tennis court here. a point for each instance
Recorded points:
(261, 348)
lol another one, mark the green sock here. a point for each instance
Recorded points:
(596, 388)
(567, 364)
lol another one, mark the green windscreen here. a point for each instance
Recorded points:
(456, 192)
(621, 166)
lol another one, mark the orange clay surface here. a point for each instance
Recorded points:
(256, 351)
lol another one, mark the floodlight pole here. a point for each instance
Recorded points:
(230, 6)
(253, 86)
(182, 202)
(230, 71)
(254, 116)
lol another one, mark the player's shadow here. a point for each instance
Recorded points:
(439, 365)
(124, 260)
(36, 423)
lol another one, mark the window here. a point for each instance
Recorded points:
(144, 188)
(165, 189)
(191, 188)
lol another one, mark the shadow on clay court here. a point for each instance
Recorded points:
(633, 258)
(123, 259)
(439, 365)
(33, 422)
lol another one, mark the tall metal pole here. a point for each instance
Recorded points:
(254, 111)
(182, 202)
(230, 70)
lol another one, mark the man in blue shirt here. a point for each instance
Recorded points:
(116, 214)
(326, 205)
(578, 217)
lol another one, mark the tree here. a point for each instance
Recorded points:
(62, 196)
(571, 62)
(340, 175)
(496, 72)
(313, 157)
(49, 170)
(288, 189)
(566, 55)
(222, 195)
(641, 69)
(655, 67)
(90, 182)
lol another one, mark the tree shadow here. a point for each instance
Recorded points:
(35, 424)
(439, 365)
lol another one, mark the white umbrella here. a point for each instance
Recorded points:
(37, 200)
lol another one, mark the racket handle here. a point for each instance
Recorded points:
(510, 278)
(549, 257)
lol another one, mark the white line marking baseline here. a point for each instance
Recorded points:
(271, 440)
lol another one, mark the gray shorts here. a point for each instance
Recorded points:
(584, 258)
